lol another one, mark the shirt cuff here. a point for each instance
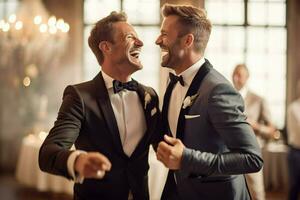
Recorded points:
(70, 164)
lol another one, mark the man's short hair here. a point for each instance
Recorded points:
(192, 20)
(104, 31)
(242, 66)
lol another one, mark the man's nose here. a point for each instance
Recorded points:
(138, 42)
(158, 40)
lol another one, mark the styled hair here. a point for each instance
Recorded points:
(242, 66)
(103, 30)
(191, 20)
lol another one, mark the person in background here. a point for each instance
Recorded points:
(258, 116)
(293, 133)
(111, 119)
(208, 144)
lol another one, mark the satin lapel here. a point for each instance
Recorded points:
(141, 93)
(107, 111)
(193, 89)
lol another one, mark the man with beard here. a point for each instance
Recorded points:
(111, 119)
(208, 143)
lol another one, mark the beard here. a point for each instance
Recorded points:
(170, 55)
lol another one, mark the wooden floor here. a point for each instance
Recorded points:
(10, 189)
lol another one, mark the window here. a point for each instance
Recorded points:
(252, 32)
(8, 7)
(144, 15)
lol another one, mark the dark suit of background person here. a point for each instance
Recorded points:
(91, 118)
(214, 145)
(293, 133)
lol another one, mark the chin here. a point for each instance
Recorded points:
(136, 65)
(139, 67)
(165, 64)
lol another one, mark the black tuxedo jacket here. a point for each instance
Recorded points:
(86, 119)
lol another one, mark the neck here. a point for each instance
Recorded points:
(187, 62)
(243, 88)
(116, 74)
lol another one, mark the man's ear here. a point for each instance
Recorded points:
(104, 46)
(189, 40)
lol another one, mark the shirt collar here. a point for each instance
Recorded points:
(190, 72)
(243, 91)
(108, 80)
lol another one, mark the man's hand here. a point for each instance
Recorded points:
(92, 165)
(268, 131)
(169, 152)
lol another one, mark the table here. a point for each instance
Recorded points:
(29, 174)
(275, 166)
(157, 176)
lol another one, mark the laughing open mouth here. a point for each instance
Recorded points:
(164, 52)
(135, 53)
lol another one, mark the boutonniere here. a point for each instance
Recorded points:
(147, 99)
(189, 100)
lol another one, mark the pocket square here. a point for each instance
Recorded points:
(191, 116)
(153, 111)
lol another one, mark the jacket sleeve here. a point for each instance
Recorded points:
(225, 114)
(55, 150)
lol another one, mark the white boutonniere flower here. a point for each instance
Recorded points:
(147, 99)
(189, 100)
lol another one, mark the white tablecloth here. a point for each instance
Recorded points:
(29, 174)
(275, 166)
(157, 176)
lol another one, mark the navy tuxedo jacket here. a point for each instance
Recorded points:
(220, 144)
(86, 119)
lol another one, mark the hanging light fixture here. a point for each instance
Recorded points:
(30, 41)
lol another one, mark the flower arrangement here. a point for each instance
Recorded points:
(189, 100)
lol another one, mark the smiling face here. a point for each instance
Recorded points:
(126, 48)
(240, 77)
(170, 43)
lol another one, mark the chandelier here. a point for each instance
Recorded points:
(30, 41)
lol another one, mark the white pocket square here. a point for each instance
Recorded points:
(191, 116)
(153, 111)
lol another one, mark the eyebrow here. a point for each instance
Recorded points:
(131, 33)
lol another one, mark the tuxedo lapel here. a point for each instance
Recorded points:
(146, 108)
(141, 93)
(107, 111)
(193, 89)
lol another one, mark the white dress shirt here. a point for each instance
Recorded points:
(179, 93)
(130, 118)
(243, 91)
(293, 124)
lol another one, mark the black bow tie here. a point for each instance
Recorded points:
(130, 85)
(174, 79)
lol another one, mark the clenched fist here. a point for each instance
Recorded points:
(169, 152)
(92, 165)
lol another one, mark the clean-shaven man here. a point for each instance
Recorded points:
(111, 119)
